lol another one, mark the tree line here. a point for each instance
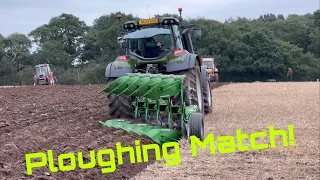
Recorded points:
(245, 49)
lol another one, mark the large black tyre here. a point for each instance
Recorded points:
(206, 90)
(190, 91)
(119, 106)
(197, 126)
(192, 77)
(204, 73)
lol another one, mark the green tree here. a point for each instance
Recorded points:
(315, 42)
(67, 29)
(16, 49)
(316, 18)
(106, 29)
(91, 49)
(52, 52)
(1, 46)
(294, 29)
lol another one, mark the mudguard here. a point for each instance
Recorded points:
(111, 71)
(188, 63)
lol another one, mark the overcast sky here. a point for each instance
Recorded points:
(25, 15)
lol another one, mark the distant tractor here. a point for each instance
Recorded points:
(43, 75)
(212, 70)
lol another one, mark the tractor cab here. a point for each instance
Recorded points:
(151, 43)
(154, 39)
(208, 62)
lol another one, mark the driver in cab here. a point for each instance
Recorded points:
(153, 49)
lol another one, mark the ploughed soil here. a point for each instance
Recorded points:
(64, 119)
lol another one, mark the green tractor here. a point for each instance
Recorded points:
(158, 87)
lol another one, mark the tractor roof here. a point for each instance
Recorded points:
(161, 21)
(41, 65)
(147, 33)
(207, 59)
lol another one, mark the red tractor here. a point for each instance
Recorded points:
(44, 75)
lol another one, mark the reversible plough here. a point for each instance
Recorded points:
(153, 93)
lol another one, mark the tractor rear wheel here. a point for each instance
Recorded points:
(206, 90)
(192, 91)
(119, 106)
(192, 88)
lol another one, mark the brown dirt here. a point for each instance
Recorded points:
(63, 119)
(253, 107)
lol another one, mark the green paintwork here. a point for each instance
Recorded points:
(146, 85)
(188, 111)
(157, 134)
(152, 94)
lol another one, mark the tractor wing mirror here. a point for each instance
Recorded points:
(197, 33)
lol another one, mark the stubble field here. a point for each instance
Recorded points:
(253, 107)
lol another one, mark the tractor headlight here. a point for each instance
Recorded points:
(169, 21)
(129, 26)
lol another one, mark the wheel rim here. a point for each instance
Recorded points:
(209, 94)
(199, 95)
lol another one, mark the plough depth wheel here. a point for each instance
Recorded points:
(197, 125)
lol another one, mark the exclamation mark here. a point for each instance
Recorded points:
(291, 135)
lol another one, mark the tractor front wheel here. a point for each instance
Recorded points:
(119, 106)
